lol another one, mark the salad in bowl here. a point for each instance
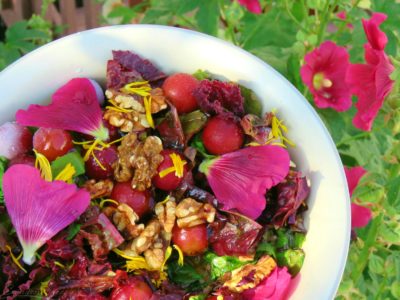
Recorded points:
(157, 172)
(157, 187)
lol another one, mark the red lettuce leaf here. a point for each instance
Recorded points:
(233, 234)
(171, 130)
(220, 98)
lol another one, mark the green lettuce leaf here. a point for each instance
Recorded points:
(3, 167)
(74, 158)
(222, 264)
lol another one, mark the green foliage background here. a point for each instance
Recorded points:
(282, 35)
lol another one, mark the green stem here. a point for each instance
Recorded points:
(357, 136)
(325, 19)
(294, 18)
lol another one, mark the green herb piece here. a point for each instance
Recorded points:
(201, 74)
(197, 143)
(192, 123)
(74, 158)
(293, 259)
(222, 264)
(73, 230)
(3, 167)
(192, 276)
(198, 297)
(252, 104)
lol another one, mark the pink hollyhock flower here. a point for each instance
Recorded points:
(360, 215)
(240, 179)
(371, 82)
(74, 106)
(274, 287)
(251, 5)
(324, 73)
(40, 209)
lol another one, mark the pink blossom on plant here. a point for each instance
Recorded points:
(275, 287)
(74, 107)
(324, 73)
(376, 37)
(343, 16)
(40, 209)
(251, 5)
(360, 215)
(371, 82)
(240, 179)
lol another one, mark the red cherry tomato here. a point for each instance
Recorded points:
(141, 202)
(106, 157)
(135, 289)
(222, 136)
(52, 143)
(23, 159)
(191, 240)
(170, 181)
(179, 89)
(14, 140)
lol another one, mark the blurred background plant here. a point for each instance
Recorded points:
(281, 33)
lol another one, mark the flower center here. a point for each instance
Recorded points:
(320, 81)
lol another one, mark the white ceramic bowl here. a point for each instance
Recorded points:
(33, 78)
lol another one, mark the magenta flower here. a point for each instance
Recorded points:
(240, 179)
(39, 209)
(275, 287)
(370, 82)
(360, 215)
(74, 107)
(251, 5)
(324, 73)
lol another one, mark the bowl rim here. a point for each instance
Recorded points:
(311, 110)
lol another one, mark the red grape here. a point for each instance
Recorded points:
(222, 136)
(23, 159)
(14, 140)
(135, 289)
(52, 143)
(191, 240)
(179, 89)
(170, 181)
(107, 157)
(141, 202)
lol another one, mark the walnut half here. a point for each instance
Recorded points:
(190, 213)
(99, 189)
(166, 214)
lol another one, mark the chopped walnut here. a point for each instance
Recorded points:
(157, 100)
(147, 237)
(166, 214)
(138, 160)
(124, 218)
(99, 189)
(154, 258)
(190, 213)
(126, 121)
(257, 273)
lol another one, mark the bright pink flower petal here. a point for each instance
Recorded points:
(324, 73)
(251, 5)
(341, 15)
(360, 215)
(353, 176)
(240, 179)
(74, 107)
(274, 287)
(376, 37)
(39, 209)
(371, 83)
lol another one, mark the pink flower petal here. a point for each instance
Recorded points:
(240, 179)
(353, 176)
(360, 215)
(274, 287)
(376, 37)
(39, 209)
(251, 5)
(329, 62)
(342, 15)
(74, 107)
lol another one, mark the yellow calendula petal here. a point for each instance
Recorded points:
(66, 174)
(277, 128)
(122, 254)
(114, 106)
(141, 88)
(167, 255)
(43, 287)
(180, 255)
(43, 165)
(165, 200)
(15, 259)
(136, 263)
(147, 108)
(59, 264)
(166, 171)
(104, 201)
(178, 164)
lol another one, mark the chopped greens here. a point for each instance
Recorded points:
(74, 158)
(222, 264)
(3, 166)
